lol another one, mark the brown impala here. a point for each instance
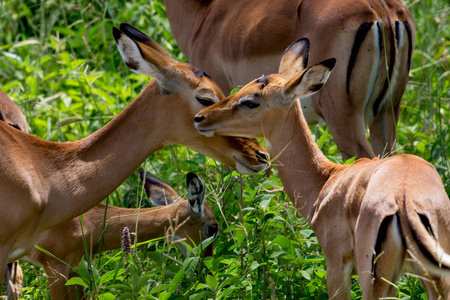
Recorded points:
(173, 216)
(368, 216)
(372, 40)
(43, 183)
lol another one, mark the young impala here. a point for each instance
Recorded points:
(43, 183)
(368, 216)
(173, 217)
(372, 40)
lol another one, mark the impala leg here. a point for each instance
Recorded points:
(339, 282)
(5, 249)
(14, 281)
(349, 133)
(383, 130)
(57, 275)
(346, 125)
(380, 256)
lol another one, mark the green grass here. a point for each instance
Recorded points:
(59, 62)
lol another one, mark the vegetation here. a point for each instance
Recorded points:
(59, 62)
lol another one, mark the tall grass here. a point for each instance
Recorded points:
(59, 62)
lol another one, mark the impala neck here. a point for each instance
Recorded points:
(302, 167)
(184, 18)
(83, 173)
(151, 223)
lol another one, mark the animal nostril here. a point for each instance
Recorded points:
(262, 157)
(212, 230)
(198, 119)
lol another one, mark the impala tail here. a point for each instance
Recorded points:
(426, 246)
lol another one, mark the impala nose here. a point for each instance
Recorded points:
(198, 119)
(262, 157)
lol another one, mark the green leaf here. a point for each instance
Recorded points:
(190, 265)
(305, 274)
(83, 270)
(176, 280)
(76, 281)
(254, 265)
(212, 282)
(350, 160)
(164, 295)
(106, 296)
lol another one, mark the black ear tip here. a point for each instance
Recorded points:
(147, 178)
(124, 26)
(134, 33)
(299, 46)
(329, 63)
(116, 33)
(190, 176)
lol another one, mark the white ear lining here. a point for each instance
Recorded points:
(132, 57)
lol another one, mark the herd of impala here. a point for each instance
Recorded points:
(372, 218)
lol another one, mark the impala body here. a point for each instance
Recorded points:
(43, 183)
(372, 40)
(173, 217)
(368, 216)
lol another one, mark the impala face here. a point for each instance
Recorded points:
(187, 90)
(193, 219)
(266, 101)
(252, 107)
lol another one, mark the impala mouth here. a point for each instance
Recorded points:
(246, 169)
(207, 133)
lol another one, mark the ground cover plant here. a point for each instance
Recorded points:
(59, 63)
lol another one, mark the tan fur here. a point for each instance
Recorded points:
(11, 113)
(346, 204)
(238, 41)
(45, 183)
(66, 241)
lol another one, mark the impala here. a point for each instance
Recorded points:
(368, 216)
(11, 113)
(13, 116)
(43, 183)
(172, 217)
(372, 40)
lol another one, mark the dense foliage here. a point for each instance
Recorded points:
(59, 62)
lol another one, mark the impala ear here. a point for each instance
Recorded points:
(141, 54)
(158, 192)
(295, 58)
(310, 81)
(196, 193)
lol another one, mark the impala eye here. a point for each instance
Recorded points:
(205, 102)
(249, 104)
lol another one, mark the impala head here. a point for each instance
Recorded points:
(264, 102)
(186, 90)
(196, 218)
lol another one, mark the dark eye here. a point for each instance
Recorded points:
(250, 104)
(204, 102)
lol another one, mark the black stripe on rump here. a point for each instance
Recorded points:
(377, 103)
(359, 38)
(381, 237)
(410, 43)
(1, 117)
